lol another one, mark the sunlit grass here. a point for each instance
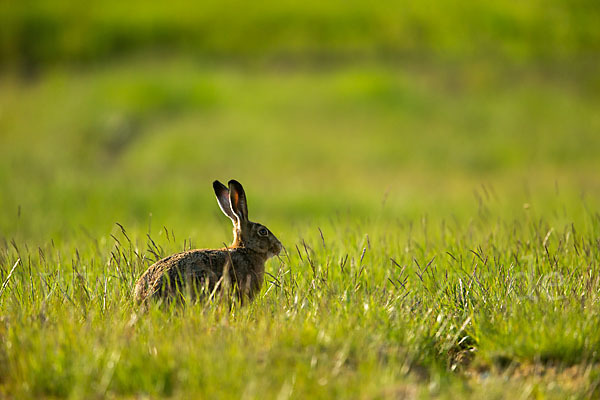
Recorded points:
(350, 310)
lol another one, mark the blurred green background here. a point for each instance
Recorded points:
(115, 111)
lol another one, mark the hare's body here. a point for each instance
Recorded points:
(197, 271)
(240, 266)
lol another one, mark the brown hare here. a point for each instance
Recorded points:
(240, 266)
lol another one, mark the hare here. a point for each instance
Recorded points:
(240, 266)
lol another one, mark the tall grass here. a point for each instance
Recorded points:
(350, 309)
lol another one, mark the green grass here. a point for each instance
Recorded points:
(338, 317)
(441, 225)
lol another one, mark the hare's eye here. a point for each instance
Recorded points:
(263, 232)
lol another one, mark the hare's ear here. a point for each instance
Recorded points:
(222, 194)
(237, 198)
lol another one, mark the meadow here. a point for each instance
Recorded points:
(438, 204)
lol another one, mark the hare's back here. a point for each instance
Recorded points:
(171, 274)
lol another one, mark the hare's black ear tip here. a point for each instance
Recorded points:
(217, 185)
(235, 184)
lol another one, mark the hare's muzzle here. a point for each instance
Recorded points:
(276, 248)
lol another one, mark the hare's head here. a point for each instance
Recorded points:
(246, 233)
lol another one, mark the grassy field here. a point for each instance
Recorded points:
(441, 229)
(433, 177)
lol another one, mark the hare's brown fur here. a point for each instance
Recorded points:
(194, 272)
